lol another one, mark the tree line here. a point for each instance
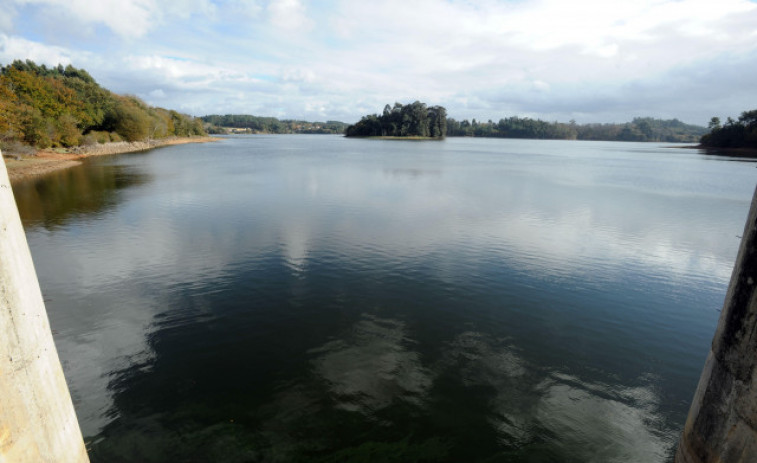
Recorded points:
(258, 124)
(64, 107)
(411, 120)
(741, 133)
(640, 129)
(418, 120)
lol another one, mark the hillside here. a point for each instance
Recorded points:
(43, 107)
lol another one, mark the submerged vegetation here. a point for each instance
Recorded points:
(64, 107)
(733, 134)
(412, 120)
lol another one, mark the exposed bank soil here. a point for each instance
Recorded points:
(48, 161)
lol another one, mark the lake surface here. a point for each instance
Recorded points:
(316, 298)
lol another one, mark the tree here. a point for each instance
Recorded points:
(734, 134)
(412, 120)
(749, 118)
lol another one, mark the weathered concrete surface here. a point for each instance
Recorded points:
(37, 418)
(722, 422)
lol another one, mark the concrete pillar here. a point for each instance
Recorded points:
(37, 418)
(722, 422)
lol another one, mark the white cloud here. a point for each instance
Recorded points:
(185, 8)
(12, 48)
(126, 18)
(247, 8)
(6, 19)
(289, 15)
(486, 60)
(185, 73)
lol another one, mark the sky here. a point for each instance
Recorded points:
(590, 61)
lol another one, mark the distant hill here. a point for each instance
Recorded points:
(258, 124)
(63, 106)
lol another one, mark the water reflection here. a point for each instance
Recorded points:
(88, 189)
(329, 301)
(372, 367)
(568, 417)
(603, 423)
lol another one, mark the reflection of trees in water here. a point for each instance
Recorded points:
(52, 199)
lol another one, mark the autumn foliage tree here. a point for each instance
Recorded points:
(65, 106)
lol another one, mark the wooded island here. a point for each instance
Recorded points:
(733, 134)
(412, 120)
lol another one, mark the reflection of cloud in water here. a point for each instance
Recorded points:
(294, 240)
(603, 425)
(371, 367)
(110, 344)
(481, 363)
(591, 422)
(412, 172)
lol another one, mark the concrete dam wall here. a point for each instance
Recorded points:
(37, 418)
(722, 422)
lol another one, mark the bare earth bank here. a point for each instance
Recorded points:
(48, 161)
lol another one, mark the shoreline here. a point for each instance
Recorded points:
(46, 161)
(392, 137)
(714, 150)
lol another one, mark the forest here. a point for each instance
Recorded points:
(411, 120)
(640, 129)
(258, 124)
(43, 107)
(741, 133)
(418, 120)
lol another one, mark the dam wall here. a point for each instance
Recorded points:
(722, 422)
(37, 419)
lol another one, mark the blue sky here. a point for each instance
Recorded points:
(592, 61)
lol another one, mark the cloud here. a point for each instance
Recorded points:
(485, 60)
(7, 18)
(248, 8)
(290, 15)
(126, 18)
(13, 47)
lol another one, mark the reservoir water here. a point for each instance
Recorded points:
(317, 298)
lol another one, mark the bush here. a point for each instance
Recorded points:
(15, 147)
(90, 139)
(100, 136)
(68, 132)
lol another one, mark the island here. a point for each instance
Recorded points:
(734, 134)
(410, 121)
